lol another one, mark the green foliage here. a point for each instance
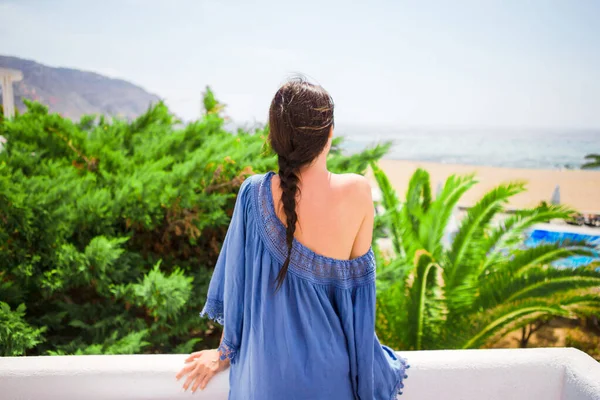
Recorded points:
(593, 161)
(469, 291)
(16, 335)
(211, 104)
(109, 229)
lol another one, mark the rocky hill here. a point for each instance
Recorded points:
(73, 93)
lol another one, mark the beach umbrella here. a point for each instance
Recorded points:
(556, 196)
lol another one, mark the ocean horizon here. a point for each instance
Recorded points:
(498, 147)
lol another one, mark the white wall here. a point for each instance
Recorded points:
(495, 374)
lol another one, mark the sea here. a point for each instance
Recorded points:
(513, 148)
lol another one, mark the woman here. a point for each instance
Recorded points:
(294, 285)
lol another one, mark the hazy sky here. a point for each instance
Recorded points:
(514, 63)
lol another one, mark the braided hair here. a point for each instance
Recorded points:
(300, 120)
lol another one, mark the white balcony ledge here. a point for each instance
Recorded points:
(503, 374)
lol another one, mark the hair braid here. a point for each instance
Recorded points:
(300, 123)
(289, 189)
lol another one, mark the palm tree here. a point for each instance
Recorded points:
(482, 284)
(594, 161)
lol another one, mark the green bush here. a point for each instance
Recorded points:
(16, 335)
(109, 229)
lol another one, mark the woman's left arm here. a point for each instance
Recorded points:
(201, 367)
(225, 299)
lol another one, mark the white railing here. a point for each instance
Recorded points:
(495, 374)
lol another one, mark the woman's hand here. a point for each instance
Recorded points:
(201, 367)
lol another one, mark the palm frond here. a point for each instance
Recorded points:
(392, 326)
(511, 231)
(357, 163)
(434, 222)
(475, 223)
(418, 199)
(519, 324)
(424, 284)
(435, 313)
(391, 306)
(518, 261)
(391, 204)
(390, 272)
(499, 319)
(550, 281)
(528, 269)
(580, 302)
(593, 163)
(574, 303)
(418, 195)
(466, 254)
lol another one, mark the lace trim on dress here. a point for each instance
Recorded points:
(400, 378)
(213, 309)
(304, 262)
(227, 350)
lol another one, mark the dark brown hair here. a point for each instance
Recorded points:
(300, 120)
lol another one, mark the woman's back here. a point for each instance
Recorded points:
(335, 213)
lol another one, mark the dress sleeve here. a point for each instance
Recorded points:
(225, 301)
(377, 372)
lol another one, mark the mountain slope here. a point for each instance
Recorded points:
(73, 93)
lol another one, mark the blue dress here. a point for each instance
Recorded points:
(315, 337)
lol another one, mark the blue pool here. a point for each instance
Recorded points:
(539, 236)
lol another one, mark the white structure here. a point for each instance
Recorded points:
(556, 196)
(7, 77)
(495, 374)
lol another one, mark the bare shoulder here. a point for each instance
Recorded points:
(356, 188)
(358, 208)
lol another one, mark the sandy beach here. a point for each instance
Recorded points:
(579, 189)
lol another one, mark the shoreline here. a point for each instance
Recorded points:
(577, 167)
(579, 189)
